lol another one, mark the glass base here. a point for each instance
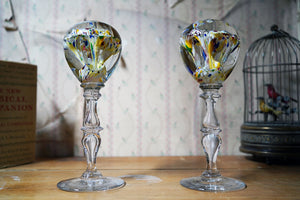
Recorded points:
(221, 184)
(90, 184)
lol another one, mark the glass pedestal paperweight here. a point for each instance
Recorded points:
(210, 50)
(92, 50)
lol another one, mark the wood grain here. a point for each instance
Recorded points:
(160, 180)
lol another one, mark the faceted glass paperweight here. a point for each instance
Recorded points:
(92, 50)
(210, 49)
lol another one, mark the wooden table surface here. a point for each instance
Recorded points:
(150, 178)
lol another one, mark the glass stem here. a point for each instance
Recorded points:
(91, 127)
(211, 141)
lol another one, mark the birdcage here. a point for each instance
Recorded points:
(271, 72)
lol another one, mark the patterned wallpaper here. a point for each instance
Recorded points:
(151, 104)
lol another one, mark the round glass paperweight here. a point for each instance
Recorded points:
(92, 50)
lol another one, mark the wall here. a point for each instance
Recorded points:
(151, 105)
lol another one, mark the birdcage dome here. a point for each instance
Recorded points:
(271, 73)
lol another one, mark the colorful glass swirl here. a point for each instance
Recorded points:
(208, 53)
(91, 52)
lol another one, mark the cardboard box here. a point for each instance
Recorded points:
(17, 113)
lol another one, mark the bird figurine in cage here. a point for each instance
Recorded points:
(271, 71)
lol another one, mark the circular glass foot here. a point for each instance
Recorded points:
(90, 184)
(223, 184)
